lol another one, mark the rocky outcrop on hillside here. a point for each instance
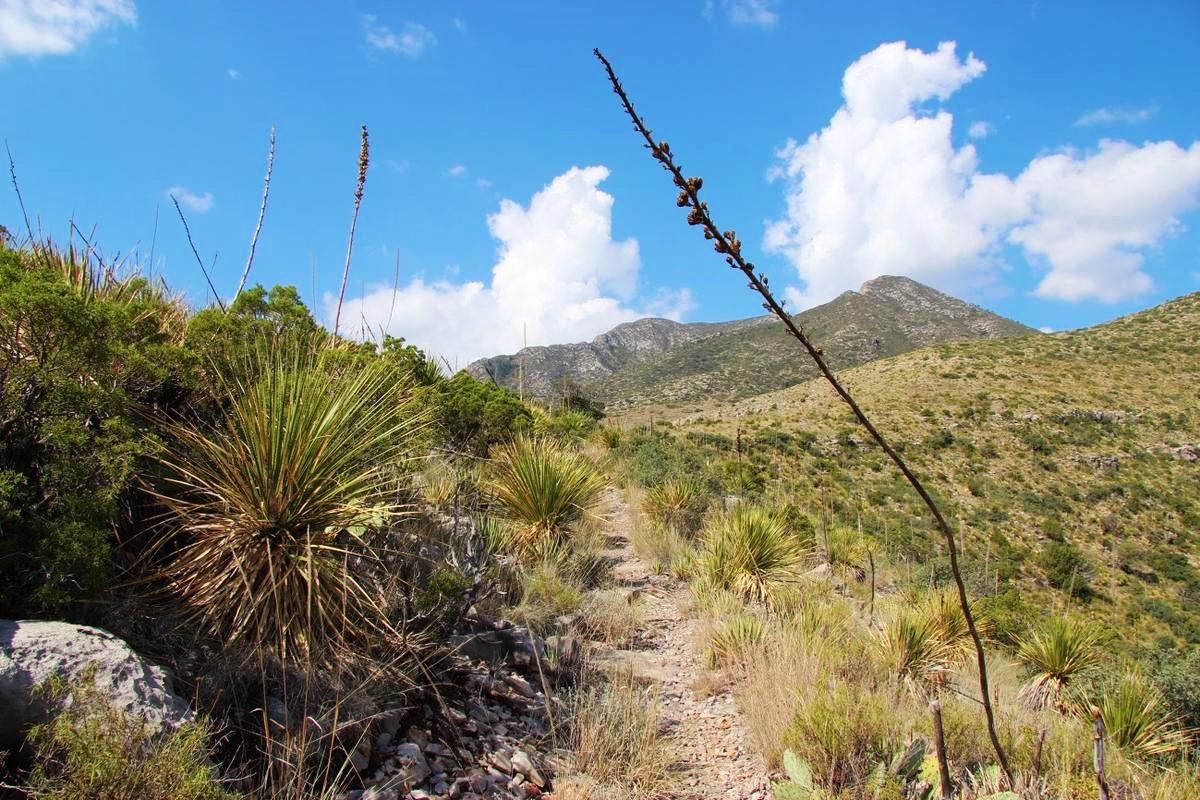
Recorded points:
(590, 362)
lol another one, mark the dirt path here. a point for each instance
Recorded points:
(714, 751)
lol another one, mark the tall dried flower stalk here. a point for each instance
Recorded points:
(262, 213)
(364, 160)
(196, 253)
(727, 244)
(12, 170)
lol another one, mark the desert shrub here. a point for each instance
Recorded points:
(1058, 657)
(651, 458)
(752, 553)
(842, 731)
(474, 416)
(1177, 676)
(544, 488)
(229, 340)
(568, 426)
(92, 751)
(742, 478)
(1066, 568)
(79, 348)
(274, 501)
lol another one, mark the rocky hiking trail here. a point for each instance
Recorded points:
(715, 756)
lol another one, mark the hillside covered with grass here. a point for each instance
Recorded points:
(1068, 460)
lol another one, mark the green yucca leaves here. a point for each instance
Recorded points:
(731, 641)
(543, 488)
(273, 498)
(1058, 656)
(911, 646)
(679, 503)
(752, 553)
(1137, 720)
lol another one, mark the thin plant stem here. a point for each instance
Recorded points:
(199, 260)
(363, 163)
(12, 170)
(262, 213)
(727, 244)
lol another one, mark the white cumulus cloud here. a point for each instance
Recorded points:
(882, 190)
(1108, 116)
(56, 27)
(412, 40)
(981, 130)
(559, 276)
(192, 201)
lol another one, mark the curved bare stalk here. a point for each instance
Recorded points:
(200, 261)
(727, 244)
(262, 213)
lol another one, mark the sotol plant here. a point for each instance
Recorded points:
(1058, 657)
(752, 553)
(273, 501)
(543, 488)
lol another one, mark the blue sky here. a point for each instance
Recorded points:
(1038, 158)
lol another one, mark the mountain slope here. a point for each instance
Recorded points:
(591, 362)
(886, 317)
(656, 361)
(1070, 462)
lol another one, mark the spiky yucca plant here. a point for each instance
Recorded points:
(752, 553)
(274, 499)
(1058, 656)
(944, 614)
(731, 641)
(1137, 719)
(678, 502)
(911, 648)
(152, 305)
(543, 488)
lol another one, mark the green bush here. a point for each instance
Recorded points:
(80, 348)
(474, 415)
(1066, 568)
(91, 751)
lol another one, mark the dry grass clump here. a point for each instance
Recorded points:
(733, 641)
(663, 547)
(615, 740)
(611, 618)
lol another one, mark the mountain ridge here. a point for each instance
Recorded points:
(656, 361)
